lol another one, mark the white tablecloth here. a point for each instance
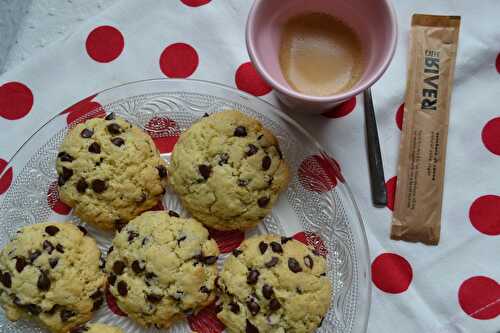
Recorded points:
(453, 287)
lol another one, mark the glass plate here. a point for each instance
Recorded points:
(317, 208)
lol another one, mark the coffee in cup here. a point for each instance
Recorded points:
(320, 55)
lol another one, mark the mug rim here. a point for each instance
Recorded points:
(251, 49)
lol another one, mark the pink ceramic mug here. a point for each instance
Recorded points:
(374, 21)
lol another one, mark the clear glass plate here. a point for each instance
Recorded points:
(317, 203)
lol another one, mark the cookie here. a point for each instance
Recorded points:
(161, 267)
(96, 328)
(228, 171)
(51, 272)
(109, 171)
(273, 284)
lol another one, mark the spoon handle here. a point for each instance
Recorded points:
(379, 194)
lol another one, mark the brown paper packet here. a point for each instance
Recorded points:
(422, 151)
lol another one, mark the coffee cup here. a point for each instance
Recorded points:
(372, 22)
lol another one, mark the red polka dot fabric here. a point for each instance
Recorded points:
(449, 288)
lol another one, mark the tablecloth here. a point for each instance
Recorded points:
(453, 287)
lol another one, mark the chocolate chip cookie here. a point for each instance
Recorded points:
(109, 172)
(161, 267)
(96, 328)
(228, 170)
(51, 272)
(273, 284)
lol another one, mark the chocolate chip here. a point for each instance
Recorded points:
(118, 142)
(111, 248)
(66, 173)
(299, 291)
(162, 171)
(276, 247)
(132, 235)
(79, 329)
(60, 248)
(119, 224)
(204, 290)
(53, 262)
(6, 279)
(112, 279)
(51, 230)
(260, 136)
(118, 267)
(240, 131)
(150, 275)
(65, 157)
(253, 307)
(95, 148)
(223, 158)
(237, 252)
(209, 260)
(250, 328)
(274, 305)
(285, 240)
(242, 182)
(266, 163)
(234, 307)
(33, 309)
(43, 282)
(98, 185)
(20, 264)
(252, 150)
(86, 133)
(110, 116)
(322, 274)
(67, 314)
(60, 180)
(267, 291)
(308, 261)
(81, 186)
(205, 170)
(33, 255)
(180, 239)
(294, 265)
(154, 298)
(271, 263)
(47, 246)
(83, 230)
(172, 213)
(97, 304)
(263, 247)
(205, 115)
(122, 288)
(263, 201)
(253, 276)
(138, 266)
(114, 129)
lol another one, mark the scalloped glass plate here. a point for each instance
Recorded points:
(317, 207)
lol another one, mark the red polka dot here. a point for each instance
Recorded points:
(179, 60)
(319, 173)
(342, 109)
(195, 3)
(164, 132)
(249, 80)
(53, 200)
(111, 301)
(105, 43)
(310, 238)
(399, 116)
(484, 214)
(206, 321)
(227, 240)
(391, 273)
(84, 110)
(497, 63)
(479, 297)
(16, 100)
(5, 178)
(491, 135)
(390, 187)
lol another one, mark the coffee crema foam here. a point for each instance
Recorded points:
(320, 55)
